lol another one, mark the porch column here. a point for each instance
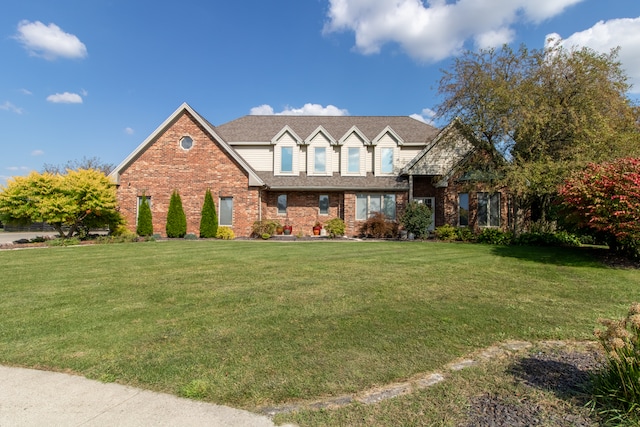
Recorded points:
(410, 188)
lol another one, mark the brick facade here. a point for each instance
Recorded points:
(164, 166)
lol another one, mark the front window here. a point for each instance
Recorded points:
(226, 211)
(323, 204)
(354, 160)
(282, 204)
(489, 209)
(286, 159)
(320, 160)
(386, 158)
(368, 204)
(463, 209)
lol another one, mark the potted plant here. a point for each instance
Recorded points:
(316, 228)
(287, 229)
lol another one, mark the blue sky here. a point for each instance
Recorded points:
(94, 78)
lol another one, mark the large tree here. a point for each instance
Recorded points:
(549, 112)
(85, 198)
(84, 163)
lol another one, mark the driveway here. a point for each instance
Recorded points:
(7, 237)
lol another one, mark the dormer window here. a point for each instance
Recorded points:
(353, 165)
(386, 160)
(286, 159)
(320, 160)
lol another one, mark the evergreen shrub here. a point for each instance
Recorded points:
(145, 220)
(209, 218)
(335, 227)
(225, 233)
(416, 219)
(176, 219)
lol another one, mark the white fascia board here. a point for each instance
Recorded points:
(388, 130)
(354, 129)
(321, 129)
(287, 129)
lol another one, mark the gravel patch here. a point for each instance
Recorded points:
(566, 373)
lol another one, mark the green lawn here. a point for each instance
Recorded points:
(252, 323)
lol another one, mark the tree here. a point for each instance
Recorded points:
(145, 219)
(548, 112)
(176, 219)
(209, 217)
(604, 199)
(85, 198)
(416, 219)
(84, 163)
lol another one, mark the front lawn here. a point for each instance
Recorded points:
(252, 323)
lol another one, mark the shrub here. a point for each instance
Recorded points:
(378, 227)
(416, 219)
(176, 219)
(617, 386)
(225, 233)
(559, 238)
(495, 236)
(335, 227)
(465, 234)
(605, 199)
(145, 221)
(209, 218)
(265, 236)
(190, 236)
(265, 226)
(446, 232)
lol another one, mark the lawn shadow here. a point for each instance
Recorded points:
(569, 256)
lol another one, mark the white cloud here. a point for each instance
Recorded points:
(261, 110)
(37, 153)
(65, 98)
(604, 36)
(26, 92)
(7, 106)
(49, 41)
(17, 168)
(306, 110)
(129, 131)
(433, 30)
(426, 116)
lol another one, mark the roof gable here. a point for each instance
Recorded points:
(254, 179)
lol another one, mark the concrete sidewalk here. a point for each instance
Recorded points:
(30, 397)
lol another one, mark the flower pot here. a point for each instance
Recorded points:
(316, 231)
(287, 230)
(279, 230)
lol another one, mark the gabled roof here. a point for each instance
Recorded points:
(388, 130)
(359, 134)
(262, 129)
(324, 132)
(444, 154)
(254, 179)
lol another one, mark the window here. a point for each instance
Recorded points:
(353, 165)
(186, 142)
(226, 211)
(368, 204)
(386, 160)
(463, 209)
(320, 160)
(488, 209)
(323, 204)
(282, 204)
(286, 159)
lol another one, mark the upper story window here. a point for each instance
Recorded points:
(286, 159)
(186, 142)
(386, 160)
(353, 163)
(320, 160)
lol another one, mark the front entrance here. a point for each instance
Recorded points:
(431, 203)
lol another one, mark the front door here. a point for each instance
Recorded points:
(431, 203)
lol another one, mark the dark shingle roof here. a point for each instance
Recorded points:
(335, 182)
(264, 128)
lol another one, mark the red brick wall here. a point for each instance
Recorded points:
(164, 166)
(303, 209)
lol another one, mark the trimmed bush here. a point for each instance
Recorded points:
(265, 226)
(176, 219)
(145, 221)
(209, 218)
(416, 219)
(446, 232)
(495, 236)
(225, 233)
(465, 234)
(335, 227)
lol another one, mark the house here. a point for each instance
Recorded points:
(304, 169)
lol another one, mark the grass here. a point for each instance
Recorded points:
(252, 324)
